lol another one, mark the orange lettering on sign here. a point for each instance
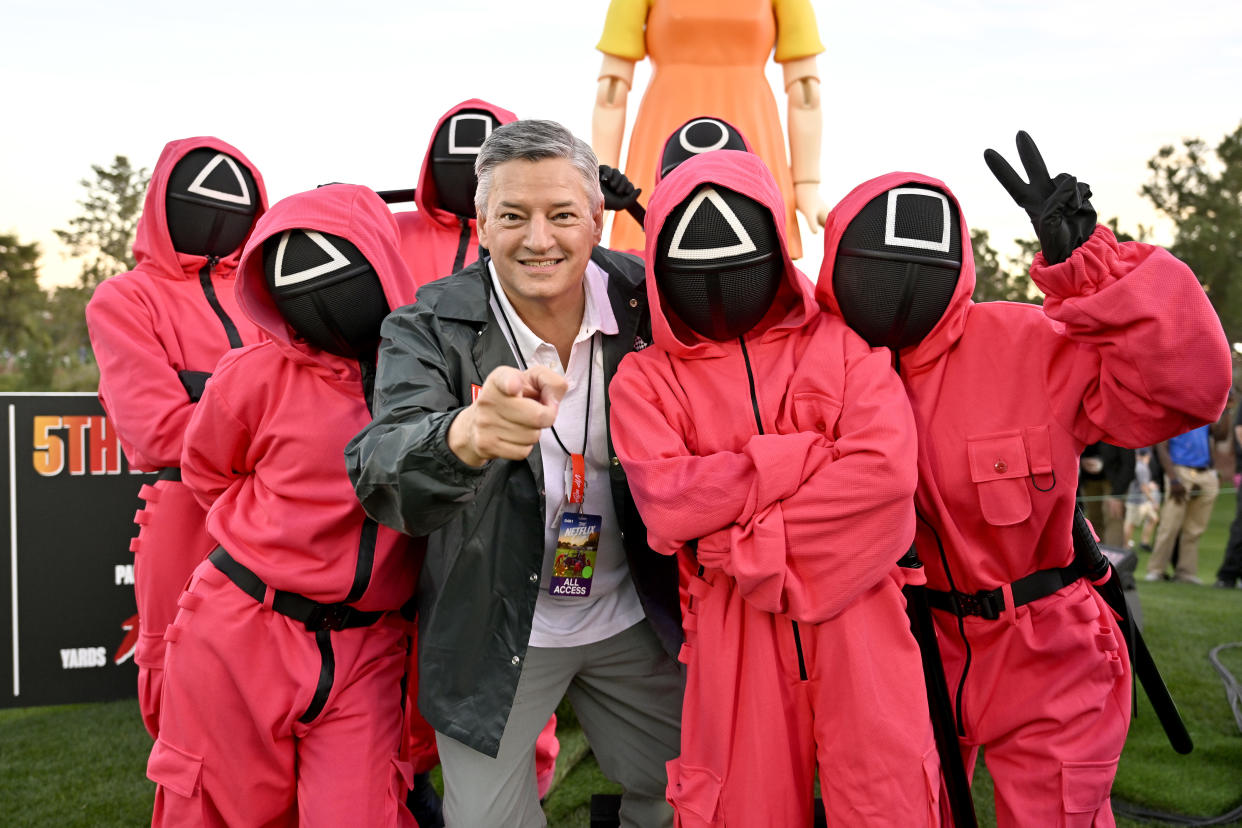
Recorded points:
(49, 449)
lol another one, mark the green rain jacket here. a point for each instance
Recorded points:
(484, 527)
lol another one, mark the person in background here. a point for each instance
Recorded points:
(1229, 575)
(1191, 486)
(1142, 502)
(1103, 480)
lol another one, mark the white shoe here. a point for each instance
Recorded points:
(1153, 576)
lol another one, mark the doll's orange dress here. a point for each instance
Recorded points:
(708, 57)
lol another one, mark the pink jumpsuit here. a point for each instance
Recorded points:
(1126, 349)
(172, 313)
(797, 644)
(265, 720)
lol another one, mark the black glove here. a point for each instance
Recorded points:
(619, 192)
(1058, 207)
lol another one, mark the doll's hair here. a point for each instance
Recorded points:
(533, 140)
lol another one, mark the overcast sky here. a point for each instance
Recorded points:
(316, 91)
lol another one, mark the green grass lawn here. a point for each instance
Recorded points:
(84, 765)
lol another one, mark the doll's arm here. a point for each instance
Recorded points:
(616, 75)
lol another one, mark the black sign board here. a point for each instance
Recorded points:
(69, 501)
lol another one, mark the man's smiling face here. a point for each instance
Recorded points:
(539, 229)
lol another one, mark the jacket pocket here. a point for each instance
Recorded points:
(175, 770)
(1085, 787)
(998, 468)
(694, 794)
(815, 412)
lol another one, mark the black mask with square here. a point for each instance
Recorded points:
(897, 265)
(453, 152)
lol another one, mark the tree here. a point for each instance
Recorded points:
(103, 233)
(24, 337)
(1201, 191)
(994, 282)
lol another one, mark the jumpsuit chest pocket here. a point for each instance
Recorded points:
(998, 468)
(816, 412)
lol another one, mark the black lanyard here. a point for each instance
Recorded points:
(517, 349)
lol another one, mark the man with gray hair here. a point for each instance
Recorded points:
(491, 438)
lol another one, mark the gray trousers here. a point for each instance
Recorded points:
(626, 693)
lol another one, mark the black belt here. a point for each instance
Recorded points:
(990, 603)
(1196, 468)
(170, 473)
(314, 615)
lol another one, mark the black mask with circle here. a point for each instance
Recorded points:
(326, 290)
(897, 265)
(453, 151)
(718, 262)
(697, 136)
(210, 204)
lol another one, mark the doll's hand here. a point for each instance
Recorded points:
(813, 208)
(1059, 207)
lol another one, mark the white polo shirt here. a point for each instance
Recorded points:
(613, 604)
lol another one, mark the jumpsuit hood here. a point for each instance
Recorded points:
(153, 246)
(426, 198)
(746, 174)
(949, 328)
(350, 211)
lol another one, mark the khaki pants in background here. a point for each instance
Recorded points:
(1188, 518)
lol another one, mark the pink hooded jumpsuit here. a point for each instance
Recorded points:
(1126, 349)
(788, 460)
(437, 243)
(264, 721)
(172, 313)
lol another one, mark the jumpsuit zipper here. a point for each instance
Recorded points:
(948, 572)
(463, 243)
(209, 290)
(754, 402)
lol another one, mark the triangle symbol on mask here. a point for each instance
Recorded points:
(221, 180)
(332, 261)
(709, 209)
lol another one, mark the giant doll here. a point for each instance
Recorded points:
(709, 56)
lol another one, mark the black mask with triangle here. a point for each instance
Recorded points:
(326, 290)
(718, 262)
(210, 203)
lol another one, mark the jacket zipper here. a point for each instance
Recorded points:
(209, 290)
(754, 403)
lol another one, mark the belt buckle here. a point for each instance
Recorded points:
(986, 603)
(328, 617)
